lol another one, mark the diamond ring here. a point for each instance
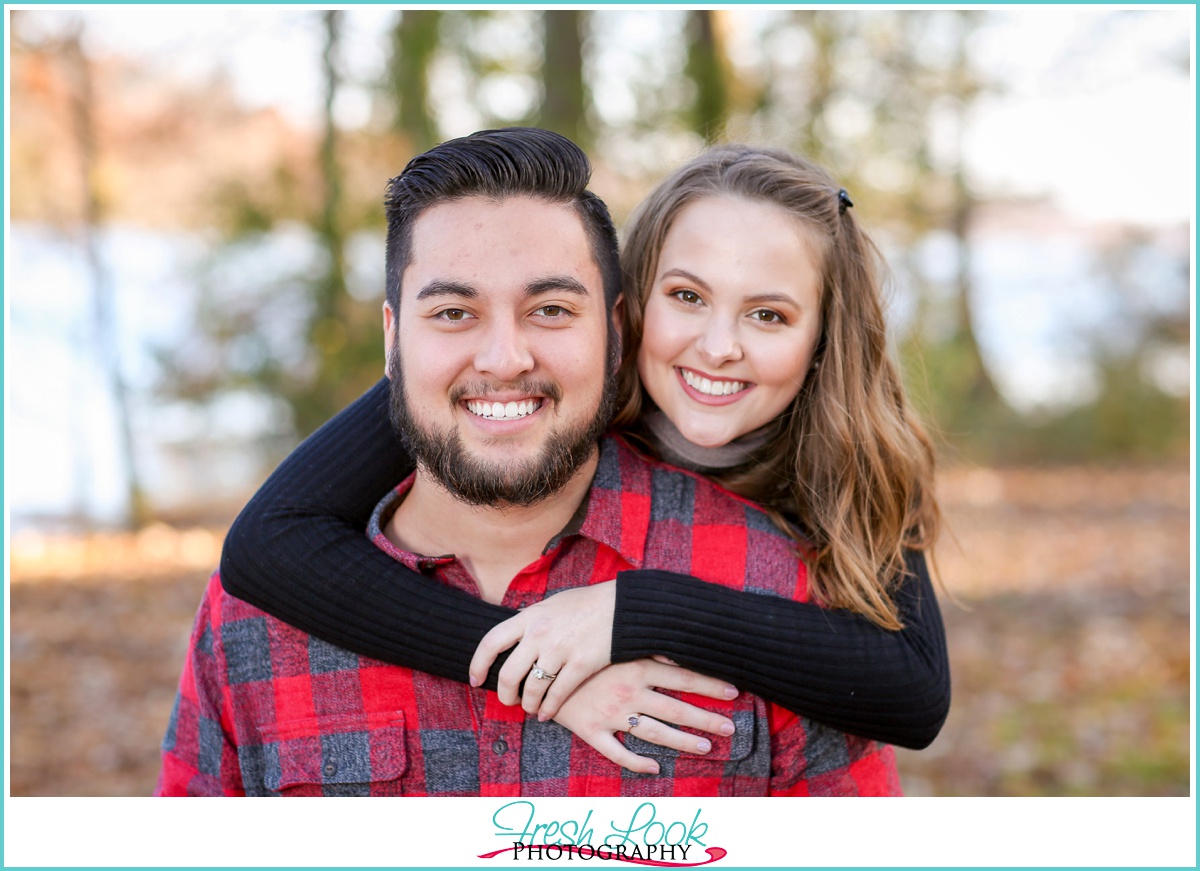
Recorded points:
(541, 674)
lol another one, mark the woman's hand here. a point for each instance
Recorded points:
(604, 704)
(568, 634)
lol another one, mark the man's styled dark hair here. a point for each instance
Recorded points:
(513, 161)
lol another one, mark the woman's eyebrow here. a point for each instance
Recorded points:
(687, 276)
(771, 297)
(676, 272)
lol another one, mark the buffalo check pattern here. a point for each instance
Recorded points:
(265, 709)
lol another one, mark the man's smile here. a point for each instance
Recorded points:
(511, 410)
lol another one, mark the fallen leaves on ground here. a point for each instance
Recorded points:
(1066, 603)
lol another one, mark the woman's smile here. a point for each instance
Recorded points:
(710, 389)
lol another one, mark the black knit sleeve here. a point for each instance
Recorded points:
(299, 551)
(835, 667)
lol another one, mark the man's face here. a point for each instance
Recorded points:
(501, 380)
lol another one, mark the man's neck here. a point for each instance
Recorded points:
(493, 542)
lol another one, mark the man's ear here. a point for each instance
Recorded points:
(618, 314)
(389, 335)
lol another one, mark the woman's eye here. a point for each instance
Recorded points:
(766, 316)
(688, 296)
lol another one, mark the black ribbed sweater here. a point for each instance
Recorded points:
(298, 551)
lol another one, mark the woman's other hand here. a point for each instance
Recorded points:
(568, 635)
(604, 704)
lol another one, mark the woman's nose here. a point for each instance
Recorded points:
(719, 342)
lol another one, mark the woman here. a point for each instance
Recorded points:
(755, 353)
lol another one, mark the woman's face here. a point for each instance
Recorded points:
(732, 318)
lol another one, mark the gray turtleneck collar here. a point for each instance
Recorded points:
(678, 451)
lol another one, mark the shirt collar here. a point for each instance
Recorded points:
(379, 519)
(618, 503)
(616, 512)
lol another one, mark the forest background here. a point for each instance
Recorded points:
(194, 275)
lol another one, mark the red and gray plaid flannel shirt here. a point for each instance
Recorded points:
(265, 709)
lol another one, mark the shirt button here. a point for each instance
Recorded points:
(330, 769)
(499, 747)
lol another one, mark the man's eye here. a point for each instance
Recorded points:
(453, 314)
(552, 311)
(688, 296)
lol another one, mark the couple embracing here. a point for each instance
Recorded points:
(648, 522)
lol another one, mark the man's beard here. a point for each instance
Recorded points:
(442, 454)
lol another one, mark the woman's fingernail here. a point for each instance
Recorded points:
(652, 768)
(703, 746)
(542, 718)
(475, 681)
(727, 728)
(731, 692)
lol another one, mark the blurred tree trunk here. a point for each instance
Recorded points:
(82, 103)
(826, 32)
(927, 89)
(328, 327)
(329, 226)
(965, 87)
(708, 69)
(414, 44)
(565, 97)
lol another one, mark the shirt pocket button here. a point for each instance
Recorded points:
(499, 747)
(330, 769)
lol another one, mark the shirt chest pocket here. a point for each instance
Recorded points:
(739, 764)
(346, 754)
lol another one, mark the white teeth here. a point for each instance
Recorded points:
(713, 388)
(503, 410)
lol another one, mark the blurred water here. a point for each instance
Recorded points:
(1036, 295)
(61, 446)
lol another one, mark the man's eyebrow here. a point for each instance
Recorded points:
(447, 288)
(555, 284)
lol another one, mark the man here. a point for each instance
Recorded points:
(502, 279)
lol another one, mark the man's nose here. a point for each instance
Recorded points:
(506, 353)
(719, 342)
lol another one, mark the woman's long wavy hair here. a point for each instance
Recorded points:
(849, 461)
